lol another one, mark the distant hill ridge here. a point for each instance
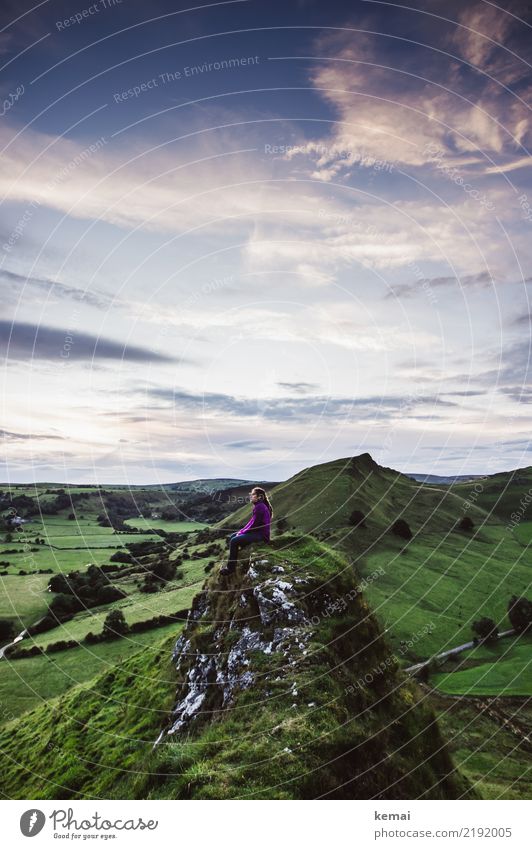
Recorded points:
(324, 497)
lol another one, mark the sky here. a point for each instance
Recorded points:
(239, 239)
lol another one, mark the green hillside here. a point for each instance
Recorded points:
(502, 494)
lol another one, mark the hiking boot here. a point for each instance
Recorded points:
(227, 570)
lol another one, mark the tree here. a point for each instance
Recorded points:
(358, 519)
(107, 593)
(121, 557)
(520, 613)
(401, 529)
(486, 629)
(171, 514)
(115, 625)
(465, 524)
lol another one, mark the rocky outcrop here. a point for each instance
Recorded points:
(269, 617)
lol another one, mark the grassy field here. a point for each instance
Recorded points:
(505, 669)
(523, 532)
(26, 682)
(440, 584)
(494, 759)
(144, 524)
(23, 599)
(70, 545)
(501, 494)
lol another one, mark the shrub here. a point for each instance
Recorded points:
(93, 638)
(63, 604)
(171, 514)
(61, 645)
(7, 629)
(520, 613)
(149, 585)
(465, 524)
(358, 519)
(107, 593)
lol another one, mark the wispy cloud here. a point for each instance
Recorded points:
(300, 387)
(293, 409)
(21, 437)
(22, 284)
(247, 444)
(395, 104)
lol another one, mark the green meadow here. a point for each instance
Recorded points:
(144, 524)
(29, 682)
(503, 669)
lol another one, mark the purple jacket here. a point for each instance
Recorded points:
(260, 521)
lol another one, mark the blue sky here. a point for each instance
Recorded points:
(238, 239)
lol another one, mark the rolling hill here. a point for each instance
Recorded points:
(289, 680)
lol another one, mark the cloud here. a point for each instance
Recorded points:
(50, 287)
(130, 185)
(512, 373)
(519, 394)
(300, 387)
(24, 341)
(388, 109)
(425, 284)
(466, 393)
(525, 319)
(18, 437)
(482, 38)
(247, 444)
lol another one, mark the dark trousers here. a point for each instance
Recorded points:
(237, 541)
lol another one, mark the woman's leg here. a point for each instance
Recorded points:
(233, 550)
(237, 541)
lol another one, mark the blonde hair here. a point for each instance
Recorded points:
(262, 492)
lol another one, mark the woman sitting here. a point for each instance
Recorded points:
(256, 530)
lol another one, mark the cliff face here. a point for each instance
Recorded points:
(287, 689)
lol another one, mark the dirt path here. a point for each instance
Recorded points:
(456, 650)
